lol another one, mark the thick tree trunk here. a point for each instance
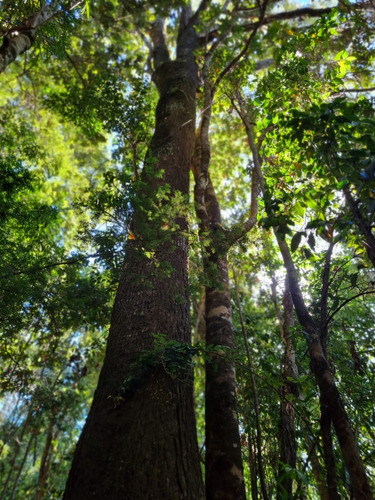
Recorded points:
(139, 442)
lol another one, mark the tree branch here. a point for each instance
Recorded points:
(19, 39)
(292, 14)
(245, 48)
(195, 17)
(346, 302)
(324, 296)
(73, 260)
(160, 49)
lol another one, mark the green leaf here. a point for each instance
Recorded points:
(342, 184)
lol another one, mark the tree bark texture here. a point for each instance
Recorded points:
(224, 472)
(141, 443)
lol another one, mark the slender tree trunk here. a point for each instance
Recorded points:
(317, 468)
(15, 455)
(327, 385)
(259, 440)
(319, 364)
(253, 465)
(22, 465)
(44, 462)
(288, 444)
(325, 417)
(224, 472)
(200, 323)
(141, 443)
(329, 456)
(363, 224)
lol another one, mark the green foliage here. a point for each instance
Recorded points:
(174, 357)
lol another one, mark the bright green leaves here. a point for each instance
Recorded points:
(87, 8)
(344, 62)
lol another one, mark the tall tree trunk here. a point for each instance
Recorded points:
(253, 465)
(44, 462)
(22, 465)
(288, 444)
(140, 442)
(325, 417)
(224, 469)
(327, 385)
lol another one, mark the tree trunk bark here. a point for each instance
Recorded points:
(139, 442)
(224, 470)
